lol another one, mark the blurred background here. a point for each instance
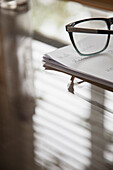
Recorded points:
(42, 125)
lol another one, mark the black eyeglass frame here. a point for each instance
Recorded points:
(70, 29)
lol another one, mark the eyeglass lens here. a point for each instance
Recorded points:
(88, 43)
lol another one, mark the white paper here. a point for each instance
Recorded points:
(98, 67)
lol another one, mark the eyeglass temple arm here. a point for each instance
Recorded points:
(88, 30)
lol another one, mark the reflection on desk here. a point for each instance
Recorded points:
(72, 132)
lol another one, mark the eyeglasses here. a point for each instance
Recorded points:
(90, 36)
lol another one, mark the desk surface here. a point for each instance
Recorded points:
(50, 129)
(66, 131)
(74, 131)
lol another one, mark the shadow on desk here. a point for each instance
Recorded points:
(72, 131)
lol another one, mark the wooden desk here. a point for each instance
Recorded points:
(101, 4)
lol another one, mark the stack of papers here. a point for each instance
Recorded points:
(97, 69)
